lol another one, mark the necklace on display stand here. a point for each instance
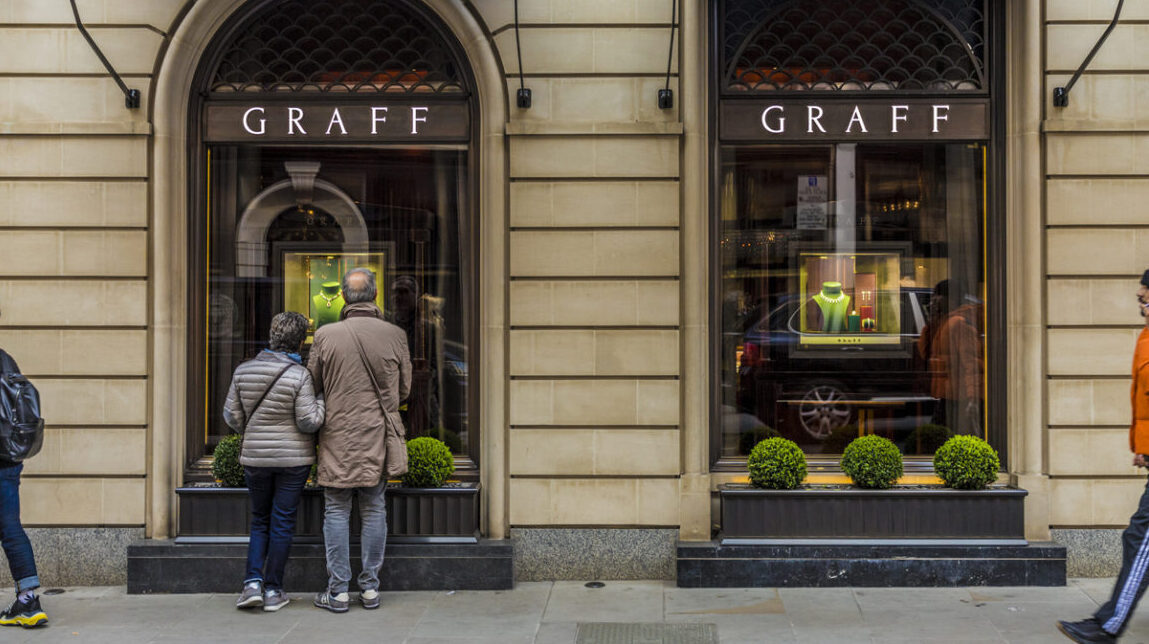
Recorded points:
(331, 299)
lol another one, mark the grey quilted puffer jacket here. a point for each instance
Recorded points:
(281, 433)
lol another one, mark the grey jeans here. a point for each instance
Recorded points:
(337, 534)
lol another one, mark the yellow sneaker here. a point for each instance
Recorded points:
(27, 614)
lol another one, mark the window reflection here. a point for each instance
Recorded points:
(287, 223)
(853, 294)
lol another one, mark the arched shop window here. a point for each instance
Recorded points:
(333, 135)
(856, 228)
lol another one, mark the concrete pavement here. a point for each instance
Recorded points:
(551, 612)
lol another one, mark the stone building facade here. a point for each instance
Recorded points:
(592, 353)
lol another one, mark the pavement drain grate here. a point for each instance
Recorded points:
(622, 633)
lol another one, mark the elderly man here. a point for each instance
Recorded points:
(362, 367)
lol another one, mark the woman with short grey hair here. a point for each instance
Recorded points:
(272, 402)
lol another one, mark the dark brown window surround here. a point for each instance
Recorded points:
(732, 23)
(385, 75)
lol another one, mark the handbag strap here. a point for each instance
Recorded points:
(247, 416)
(370, 372)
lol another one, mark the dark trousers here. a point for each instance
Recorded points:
(275, 494)
(17, 548)
(1131, 583)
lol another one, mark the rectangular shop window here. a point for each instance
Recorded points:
(284, 224)
(852, 288)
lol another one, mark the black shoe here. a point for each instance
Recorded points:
(27, 614)
(1087, 631)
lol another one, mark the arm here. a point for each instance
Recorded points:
(404, 366)
(233, 412)
(309, 408)
(315, 365)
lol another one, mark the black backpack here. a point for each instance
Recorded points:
(21, 427)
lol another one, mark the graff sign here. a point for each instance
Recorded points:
(809, 120)
(331, 123)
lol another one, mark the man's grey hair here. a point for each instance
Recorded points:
(288, 329)
(365, 292)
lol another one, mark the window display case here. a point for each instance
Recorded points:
(311, 282)
(849, 298)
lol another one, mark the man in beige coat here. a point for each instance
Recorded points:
(362, 406)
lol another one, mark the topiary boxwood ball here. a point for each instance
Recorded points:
(872, 462)
(225, 465)
(966, 463)
(777, 464)
(429, 462)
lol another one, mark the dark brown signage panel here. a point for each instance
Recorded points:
(813, 119)
(376, 122)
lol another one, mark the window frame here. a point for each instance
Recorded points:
(196, 463)
(996, 368)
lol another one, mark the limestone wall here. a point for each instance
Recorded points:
(1096, 244)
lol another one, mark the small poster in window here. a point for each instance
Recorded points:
(813, 201)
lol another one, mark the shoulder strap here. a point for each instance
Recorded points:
(370, 371)
(247, 416)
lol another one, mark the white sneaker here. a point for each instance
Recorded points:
(369, 598)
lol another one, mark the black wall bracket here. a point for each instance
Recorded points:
(523, 96)
(666, 95)
(1061, 94)
(131, 96)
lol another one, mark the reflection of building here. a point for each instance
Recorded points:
(618, 284)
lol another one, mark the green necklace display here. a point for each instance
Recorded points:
(327, 304)
(834, 304)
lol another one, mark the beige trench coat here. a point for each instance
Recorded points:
(351, 443)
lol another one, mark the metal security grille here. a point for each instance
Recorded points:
(349, 46)
(859, 45)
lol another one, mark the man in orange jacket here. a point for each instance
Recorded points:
(1110, 620)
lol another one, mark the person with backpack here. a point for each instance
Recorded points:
(21, 435)
(273, 403)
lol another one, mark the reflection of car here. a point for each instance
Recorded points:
(808, 392)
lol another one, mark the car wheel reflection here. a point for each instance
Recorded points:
(822, 411)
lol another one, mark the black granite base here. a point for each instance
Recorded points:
(711, 565)
(167, 567)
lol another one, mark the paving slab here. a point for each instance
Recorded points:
(551, 612)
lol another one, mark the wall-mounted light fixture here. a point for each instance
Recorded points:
(131, 96)
(523, 97)
(666, 95)
(1061, 94)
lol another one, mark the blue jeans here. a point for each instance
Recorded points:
(275, 494)
(337, 535)
(16, 545)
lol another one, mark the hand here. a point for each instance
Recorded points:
(1140, 460)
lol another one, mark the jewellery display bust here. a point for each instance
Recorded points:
(328, 303)
(834, 305)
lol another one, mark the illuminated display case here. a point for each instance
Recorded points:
(311, 282)
(849, 298)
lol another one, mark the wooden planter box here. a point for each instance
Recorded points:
(414, 515)
(994, 516)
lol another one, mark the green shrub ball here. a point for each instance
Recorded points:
(777, 464)
(225, 465)
(872, 462)
(429, 462)
(966, 463)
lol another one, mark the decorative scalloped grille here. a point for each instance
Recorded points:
(898, 45)
(351, 46)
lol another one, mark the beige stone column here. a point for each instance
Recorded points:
(1024, 270)
(695, 482)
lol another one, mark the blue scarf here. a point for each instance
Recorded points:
(298, 359)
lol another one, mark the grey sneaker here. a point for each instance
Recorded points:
(274, 599)
(334, 603)
(369, 598)
(251, 596)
